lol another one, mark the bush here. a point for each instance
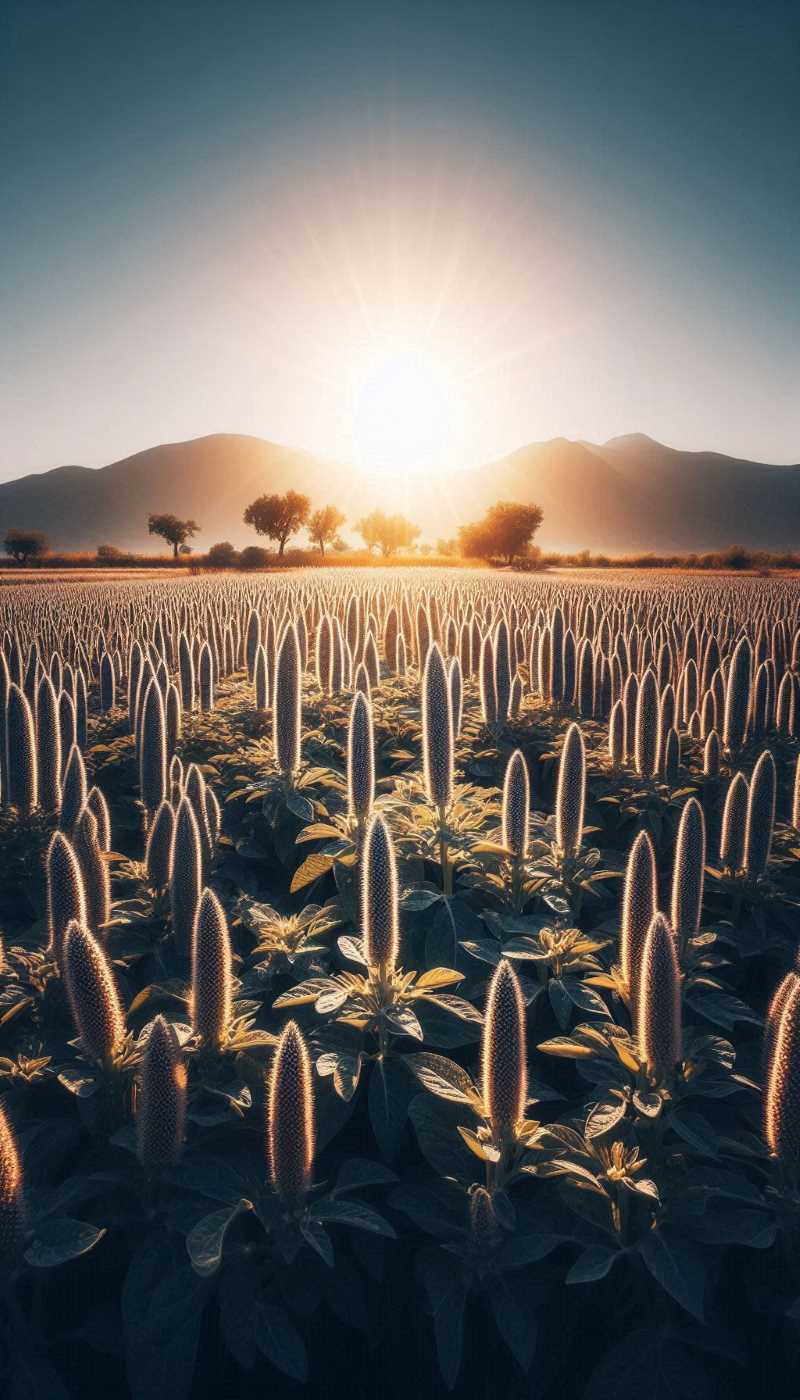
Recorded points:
(222, 555)
(109, 553)
(254, 556)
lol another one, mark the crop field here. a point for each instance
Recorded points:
(399, 987)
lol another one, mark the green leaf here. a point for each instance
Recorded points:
(356, 1172)
(58, 1240)
(446, 1293)
(677, 1266)
(162, 1308)
(594, 1263)
(515, 1318)
(651, 1362)
(442, 1077)
(560, 1001)
(279, 1340)
(604, 1116)
(436, 1126)
(413, 900)
(313, 868)
(388, 1098)
(696, 1132)
(353, 1213)
(403, 1021)
(206, 1239)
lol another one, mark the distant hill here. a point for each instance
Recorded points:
(630, 493)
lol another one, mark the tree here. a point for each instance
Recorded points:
(505, 532)
(278, 517)
(108, 553)
(388, 532)
(24, 545)
(176, 532)
(324, 525)
(222, 555)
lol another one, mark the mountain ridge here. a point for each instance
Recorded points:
(628, 493)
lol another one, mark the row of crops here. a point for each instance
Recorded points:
(398, 985)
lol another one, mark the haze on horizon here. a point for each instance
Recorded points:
(517, 221)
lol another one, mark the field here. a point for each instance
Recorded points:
(396, 986)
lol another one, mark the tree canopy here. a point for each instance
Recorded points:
(278, 517)
(175, 531)
(388, 532)
(24, 545)
(324, 526)
(505, 532)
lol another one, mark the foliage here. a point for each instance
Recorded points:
(278, 517)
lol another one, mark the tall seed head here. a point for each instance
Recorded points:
(782, 1105)
(22, 772)
(286, 715)
(12, 1199)
(158, 853)
(380, 922)
(688, 872)
(658, 1017)
(796, 797)
(646, 727)
(737, 697)
(153, 753)
(504, 1069)
(161, 1099)
(772, 1022)
(212, 991)
(516, 806)
(66, 898)
(73, 797)
(92, 995)
(734, 824)
(616, 734)
(760, 817)
(571, 792)
(712, 755)
(290, 1118)
(638, 910)
(487, 682)
(48, 746)
(96, 882)
(360, 758)
(186, 877)
(437, 730)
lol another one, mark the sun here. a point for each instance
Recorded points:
(402, 413)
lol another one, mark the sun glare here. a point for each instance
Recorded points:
(402, 413)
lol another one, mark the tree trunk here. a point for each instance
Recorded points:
(280, 551)
(174, 550)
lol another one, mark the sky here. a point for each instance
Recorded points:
(423, 230)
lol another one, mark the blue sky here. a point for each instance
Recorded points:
(216, 215)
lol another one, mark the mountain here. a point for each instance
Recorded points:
(630, 493)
